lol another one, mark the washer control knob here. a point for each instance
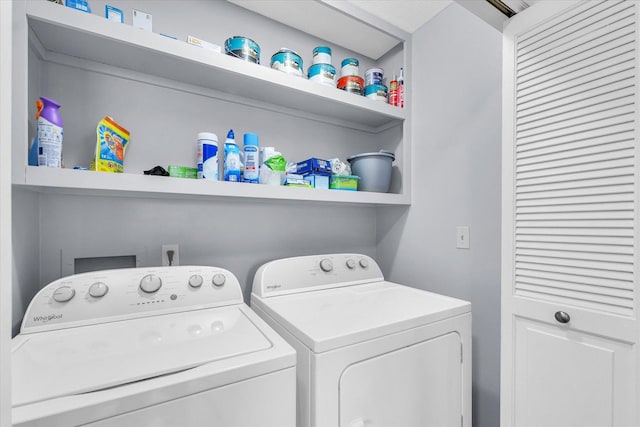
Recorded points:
(351, 264)
(150, 283)
(195, 281)
(98, 289)
(64, 293)
(364, 263)
(218, 279)
(326, 265)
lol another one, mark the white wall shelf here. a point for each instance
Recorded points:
(82, 182)
(56, 30)
(91, 37)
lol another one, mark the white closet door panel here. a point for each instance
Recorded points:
(581, 153)
(596, 115)
(542, 211)
(605, 267)
(576, 247)
(546, 98)
(610, 71)
(586, 288)
(617, 288)
(523, 232)
(573, 301)
(608, 277)
(604, 159)
(543, 120)
(623, 180)
(578, 105)
(574, 56)
(567, 225)
(597, 387)
(579, 34)
(566, 256)
(570, 283)
(547, 237)
(566, 202)
(603, 122)
(559, 29)
(621, 51)
(586, 296)
(551, 195)
(618, 132)
(595, 93)
(593, 176)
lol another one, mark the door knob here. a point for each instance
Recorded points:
(562, 316)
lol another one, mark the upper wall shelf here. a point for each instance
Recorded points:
(90, 37)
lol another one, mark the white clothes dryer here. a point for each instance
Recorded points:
(163, 346)
(370, 352)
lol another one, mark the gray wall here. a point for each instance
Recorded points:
(456, 181)
(239, 236)
(26, 252)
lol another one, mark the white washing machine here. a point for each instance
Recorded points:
(370, 352)
(164, 346)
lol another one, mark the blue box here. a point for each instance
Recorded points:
(314, 166)
(113, 14)
(318, 181)
(78, 5)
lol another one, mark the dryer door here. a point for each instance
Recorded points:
(418, 385)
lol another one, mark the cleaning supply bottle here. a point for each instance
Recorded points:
(231, 159)
(393, 92)
(401, 88)
(209, 142)
(251, 158)
(47, 146)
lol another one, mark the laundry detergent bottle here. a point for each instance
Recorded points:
(47, 146)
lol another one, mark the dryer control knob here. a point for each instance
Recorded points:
(364, 263)
(195, 281)
(98, 289)
(351, 264)
(326, 265)
(64, 293)
(218, 279)
(150, 283)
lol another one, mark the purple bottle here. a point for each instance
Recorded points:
(47, 147)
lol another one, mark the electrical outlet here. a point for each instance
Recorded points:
(165, 255)
(462, 237)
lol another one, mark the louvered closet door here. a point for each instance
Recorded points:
(570, 174)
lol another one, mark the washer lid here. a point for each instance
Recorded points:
(70, 361)
(333, 318)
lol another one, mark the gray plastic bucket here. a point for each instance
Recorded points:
(374, 170)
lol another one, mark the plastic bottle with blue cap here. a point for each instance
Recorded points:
(251, 158)
(231, 159)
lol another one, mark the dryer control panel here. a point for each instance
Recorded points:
(113, 295)
(308, 273)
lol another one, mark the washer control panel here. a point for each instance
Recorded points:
(112, 295)
(300, 274)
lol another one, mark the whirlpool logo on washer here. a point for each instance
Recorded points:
(274, 287)
(47, 319)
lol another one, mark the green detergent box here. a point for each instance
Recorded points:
(347, 182)
(183, 172)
